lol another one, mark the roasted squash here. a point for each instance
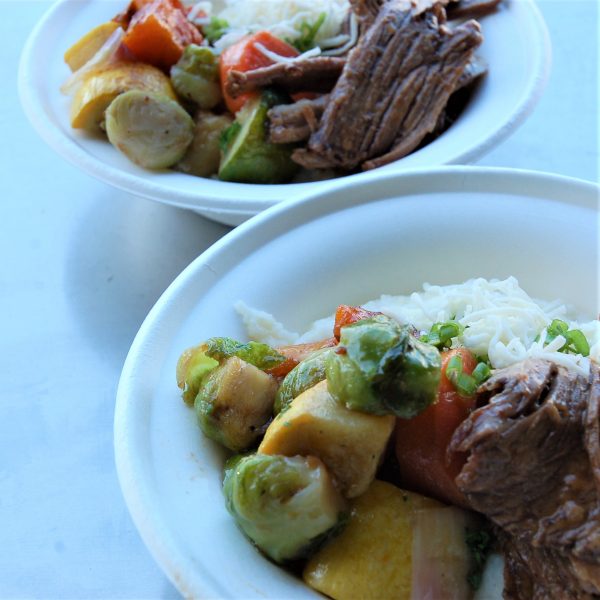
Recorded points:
(101, 87)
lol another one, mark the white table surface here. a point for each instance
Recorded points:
(81, 266)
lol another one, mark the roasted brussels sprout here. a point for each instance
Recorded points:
(192, 367)
(248, 156)
(286, 506)
(151, 130)
(195, 76)
(204, 153)
(380, 368)
(303, 376)
(235, 403)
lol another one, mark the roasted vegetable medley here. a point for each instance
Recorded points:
(388, 461)
(310, 427)
(258, 97)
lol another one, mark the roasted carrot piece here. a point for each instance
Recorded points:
(296, 353)
(246, 56)
(345, 315)
(159, 32)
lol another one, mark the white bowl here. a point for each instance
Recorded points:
(299, 260)
(516, 48)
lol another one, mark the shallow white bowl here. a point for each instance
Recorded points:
(299, 260)
(516, 48)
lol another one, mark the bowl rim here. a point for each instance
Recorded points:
(246, 200)
(274, 222)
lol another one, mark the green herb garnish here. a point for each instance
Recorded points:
(466, 385)
(215, 30)
(575, 341)
(308, 33)
(442, 334)
(480, 543)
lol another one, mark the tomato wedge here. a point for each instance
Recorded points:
(421, 443)
(246, 56)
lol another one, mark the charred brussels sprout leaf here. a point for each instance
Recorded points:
(286, 506)
(303, 376)
(380, 368)
(262, 356)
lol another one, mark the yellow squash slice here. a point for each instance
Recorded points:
(101, 87)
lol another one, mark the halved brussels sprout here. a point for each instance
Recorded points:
(303, 376)
(152, 130)
(286, 506)
(248, 156)
(380, 368)
(234, 403)
(195, 76)
(204, 153)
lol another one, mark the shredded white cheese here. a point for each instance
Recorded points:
(501, 321)
(278, 58)
(283, 18)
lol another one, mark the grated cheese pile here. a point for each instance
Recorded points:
(500, 319)
(283, 18)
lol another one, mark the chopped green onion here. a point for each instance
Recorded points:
(577, 342)
(215, 30)
(454, 366)
(441, 334)
(308, 33)
(481, 372)
(465, 384)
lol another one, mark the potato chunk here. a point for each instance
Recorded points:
(350, 443)
(372, 557)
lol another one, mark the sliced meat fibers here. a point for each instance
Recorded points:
(533, 468)
(395, 84)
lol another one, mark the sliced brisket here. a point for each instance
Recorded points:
(295, 122)
(317, 74)
(467, 9)
(392, 90)
(533, 468)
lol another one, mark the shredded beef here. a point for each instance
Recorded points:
(290, 123)
(395, 84)
(533, 468)
(317, 74)
(466, 9)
